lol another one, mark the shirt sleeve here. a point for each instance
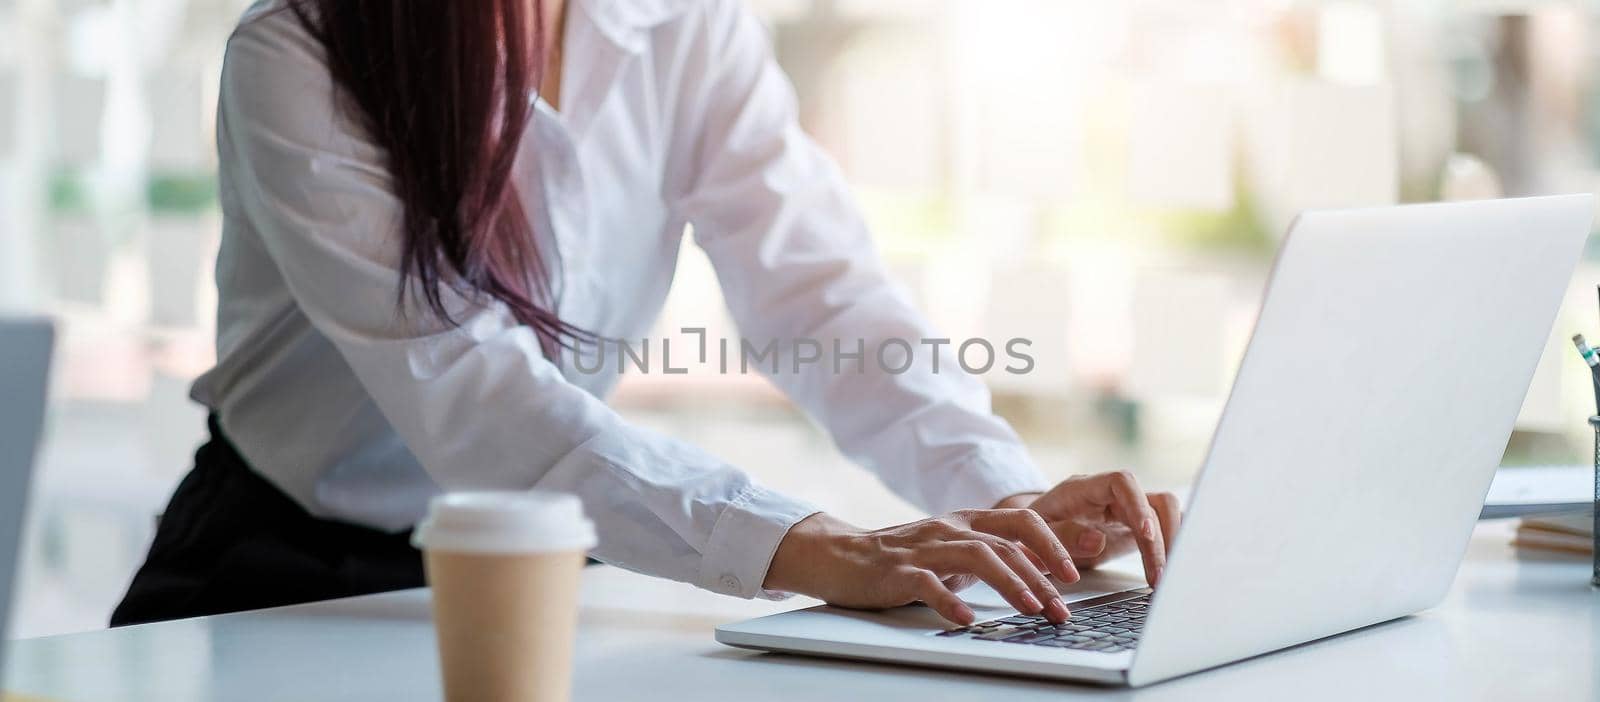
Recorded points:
(478, 404)
(795, 261)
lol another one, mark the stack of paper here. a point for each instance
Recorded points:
(1565, 533)
(1534, 490)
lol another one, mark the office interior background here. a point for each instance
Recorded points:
(1109, 180)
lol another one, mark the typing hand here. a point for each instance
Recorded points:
(1102, 516)
(928, 560)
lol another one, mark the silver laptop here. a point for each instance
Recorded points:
(24, 372)
(1388, 364)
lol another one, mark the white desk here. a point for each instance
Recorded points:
(1511, 629)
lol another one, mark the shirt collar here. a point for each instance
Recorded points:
(626, 23)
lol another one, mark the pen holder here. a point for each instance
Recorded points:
(1594, 423)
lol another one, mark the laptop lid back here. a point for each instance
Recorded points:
(1389, 362)
(24, 372)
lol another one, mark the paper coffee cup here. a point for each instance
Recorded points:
(504, 568)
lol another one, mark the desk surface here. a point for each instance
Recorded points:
(1511, 629)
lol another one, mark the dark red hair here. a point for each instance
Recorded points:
(444, 87)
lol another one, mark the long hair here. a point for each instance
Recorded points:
(443, 87)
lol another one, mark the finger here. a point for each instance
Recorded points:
(1015, 558)
(1082, 542)
(1170, 514)
(1027, 527)
(1132, 508)
(1036, 560)
(927, 586)
(1031, 530)
(975, 557)
(1119, 541)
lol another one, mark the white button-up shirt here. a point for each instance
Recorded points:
(673, 113)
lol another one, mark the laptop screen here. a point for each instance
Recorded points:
(24, 373)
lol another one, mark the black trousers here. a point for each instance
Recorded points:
(230, 541)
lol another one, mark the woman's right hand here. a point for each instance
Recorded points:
(928, 560)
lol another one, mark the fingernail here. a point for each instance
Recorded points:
(1058, 611)
(1032, 602)
(1148, 528)
(1089, 540)
(1159, 570)
(1069, 571)
(964, 615)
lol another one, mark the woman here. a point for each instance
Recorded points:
(428, 205)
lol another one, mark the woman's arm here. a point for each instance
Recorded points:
(795, 260)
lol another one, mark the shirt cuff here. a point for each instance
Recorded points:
(744, 539)
(985, 477)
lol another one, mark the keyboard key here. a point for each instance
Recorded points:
(1108, 628)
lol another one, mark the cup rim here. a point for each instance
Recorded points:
(486, 521)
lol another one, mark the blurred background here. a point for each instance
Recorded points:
(1110, 180)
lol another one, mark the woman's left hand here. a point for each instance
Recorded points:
(1099, 517)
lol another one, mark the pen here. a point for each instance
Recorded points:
(1593, 359)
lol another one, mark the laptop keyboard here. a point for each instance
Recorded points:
(1096, 625)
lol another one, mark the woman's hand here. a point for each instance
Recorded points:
(1102, 516)
(928, 560)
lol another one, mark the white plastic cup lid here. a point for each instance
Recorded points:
(505, 522)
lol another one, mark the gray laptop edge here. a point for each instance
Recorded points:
(1389, 362)
(24, 373)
